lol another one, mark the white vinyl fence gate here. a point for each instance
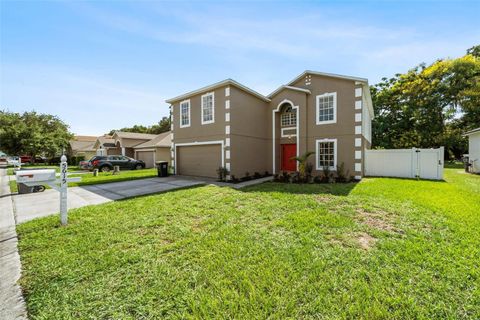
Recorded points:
(405, 163)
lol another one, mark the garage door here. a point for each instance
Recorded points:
(201, 161)
(148, 157)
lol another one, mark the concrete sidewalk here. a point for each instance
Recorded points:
(12, 305)
(35, 205)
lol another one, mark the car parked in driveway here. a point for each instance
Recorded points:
(106, 163)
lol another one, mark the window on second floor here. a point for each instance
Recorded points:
(208, 111)
(327, 108)
(289, 117)
(185, 114)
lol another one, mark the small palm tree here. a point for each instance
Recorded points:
(302, 163)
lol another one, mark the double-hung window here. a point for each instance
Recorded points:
(326, 154)
(289, 117)
(327, 108)
(185, 114)
(208, 113)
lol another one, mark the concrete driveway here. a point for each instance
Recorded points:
(35, 205)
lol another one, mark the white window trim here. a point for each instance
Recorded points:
(334, 94)
(189, 114)
(334, 168)
(213, 107)
(284, 135)
(274, 111)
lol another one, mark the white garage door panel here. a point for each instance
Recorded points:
(201, 161)
(148, 157)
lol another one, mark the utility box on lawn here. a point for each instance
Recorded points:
(162, 168)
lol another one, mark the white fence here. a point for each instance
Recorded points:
(405, 163)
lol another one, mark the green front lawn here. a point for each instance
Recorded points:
(103, 177)
(382, 248)
(11, 172)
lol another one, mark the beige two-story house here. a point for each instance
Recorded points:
(230, 125)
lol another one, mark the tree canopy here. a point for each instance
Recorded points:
(162, 126)
(429, 106)
(32, 134)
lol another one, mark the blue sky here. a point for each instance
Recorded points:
(102, 65)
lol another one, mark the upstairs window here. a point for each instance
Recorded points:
(185, 114)
(326, 154)
(289, 117)
(327, 108)
(208, 115)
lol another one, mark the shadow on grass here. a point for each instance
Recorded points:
(337, 189)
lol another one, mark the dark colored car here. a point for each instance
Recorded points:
(106, 163)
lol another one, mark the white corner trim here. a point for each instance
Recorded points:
(358, 154)
(227, 104)
(227, 129)
(358, 104)
(227, 92)
(227, 166)
(227, 142)
(227, 116)
(227, 154)
(358, 142)
(358, 117)
(317, 110)
(189, 114)
(358, 129)
(334, 168)
(198, 143)
(358, 167)
(213, 107)
(273, 130)
(284, 135)
(358, 92)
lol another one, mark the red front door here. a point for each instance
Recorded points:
(289, 151)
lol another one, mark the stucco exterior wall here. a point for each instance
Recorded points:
(196, 131)
(249, 136)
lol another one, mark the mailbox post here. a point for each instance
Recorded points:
(63, 190)
(33, 178)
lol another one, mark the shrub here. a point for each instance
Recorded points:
(341, 175)
(266, 174)
(222, 173)
(308, 171)
(326, 174)
(257, 175)
(318, 179)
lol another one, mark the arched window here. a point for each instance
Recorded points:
(289, 116)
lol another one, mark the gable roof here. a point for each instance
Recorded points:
(162, 140)
(105, 140)
(83, 143)
(133, 135)
(281, 88)
(325, 74)
(215, 86)
(471, 132)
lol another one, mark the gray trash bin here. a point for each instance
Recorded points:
(162, 168)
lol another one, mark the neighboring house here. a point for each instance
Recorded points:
(126, 141)
(105, 145)
(157, 149)
(82, 146)
(230, 125)
(474, 149)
